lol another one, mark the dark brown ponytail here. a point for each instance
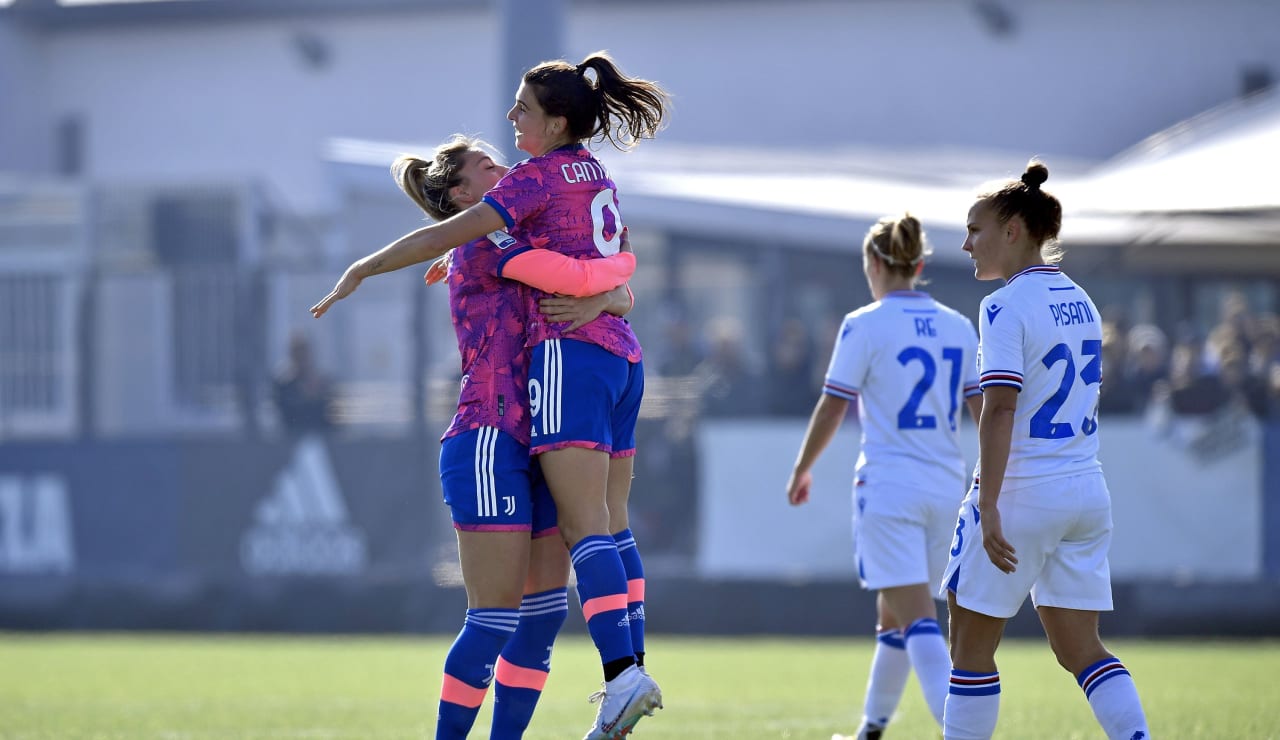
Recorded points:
(615, 107)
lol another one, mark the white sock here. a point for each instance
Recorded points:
(973, 706)
(932, 662)
(1114, 699)
(889, 670)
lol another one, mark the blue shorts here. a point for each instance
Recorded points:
(492, 485)
(582, 395)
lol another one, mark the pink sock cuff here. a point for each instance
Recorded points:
(510, 674)
(461, 693)
(600, 604)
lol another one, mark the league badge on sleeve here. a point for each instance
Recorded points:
(501, 239)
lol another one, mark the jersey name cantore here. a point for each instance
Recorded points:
(1072, 312)
(582, 172)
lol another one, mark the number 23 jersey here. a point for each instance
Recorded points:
(909, 362)
(1042, 335)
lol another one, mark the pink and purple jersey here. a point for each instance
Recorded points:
(564, 200)
(489, 318)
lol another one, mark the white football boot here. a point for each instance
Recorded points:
(626, 699)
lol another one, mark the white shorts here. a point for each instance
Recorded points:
(901, 535)
(1060, 531)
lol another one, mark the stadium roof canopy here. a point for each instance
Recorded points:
(1223, 161)
(1203, 192)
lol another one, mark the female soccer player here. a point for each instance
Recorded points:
(501, 509)
(908, 361)
(1038, 518)
(563, 198)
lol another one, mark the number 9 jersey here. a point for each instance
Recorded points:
(1042, 335)
(909, 362)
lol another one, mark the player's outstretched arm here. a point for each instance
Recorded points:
(426, 243)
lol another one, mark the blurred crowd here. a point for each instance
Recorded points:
(719, 369)
(1235, 365)
(1185, 371)
(732, 376)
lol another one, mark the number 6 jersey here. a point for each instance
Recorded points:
(565, 200)
(909, 362)
(1042, 335)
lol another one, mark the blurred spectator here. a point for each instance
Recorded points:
(1265, 352)
(790, 386)
(680, 353)
(1147, 362)
(1116, 395)
(730, 386)
(1264, 358)
(1191, 388)
(1235, 328)
(303, 395)
(1244, 389)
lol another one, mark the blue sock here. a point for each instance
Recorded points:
(634, 569)
(469, 667)
(602, 589)
(526, 661)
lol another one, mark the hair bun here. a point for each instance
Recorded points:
(1035, 175)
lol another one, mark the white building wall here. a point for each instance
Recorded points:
(217, 101)
(1082, 78)
(1086, 79)
(25, 141)
(1158, 478)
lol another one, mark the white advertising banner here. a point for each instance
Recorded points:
(1186, 500)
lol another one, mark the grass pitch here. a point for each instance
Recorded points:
(178, 687)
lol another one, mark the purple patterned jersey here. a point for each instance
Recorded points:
(564, 200)
(489, 317)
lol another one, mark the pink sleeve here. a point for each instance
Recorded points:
(558, 273)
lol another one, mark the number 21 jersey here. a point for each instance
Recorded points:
(909, 362)
(1042, 335)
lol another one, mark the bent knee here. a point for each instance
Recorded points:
(1076, 658)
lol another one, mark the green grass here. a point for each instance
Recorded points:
(177, 687)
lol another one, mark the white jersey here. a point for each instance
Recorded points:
(909, 362)
(1042, 335)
